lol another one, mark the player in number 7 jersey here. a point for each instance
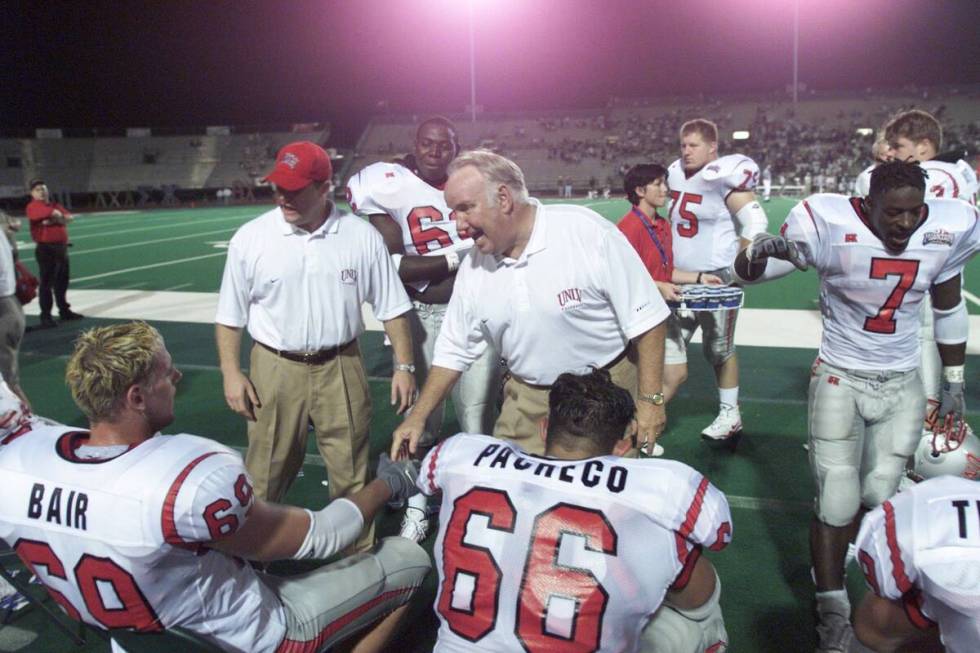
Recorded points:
(876, 257)
(576, 549)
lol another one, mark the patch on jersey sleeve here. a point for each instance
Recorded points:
(938, 237)
(208, 500)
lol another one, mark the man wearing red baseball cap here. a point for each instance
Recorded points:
(297, 276)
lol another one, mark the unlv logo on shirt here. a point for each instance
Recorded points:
(348, 275)
(570, 298)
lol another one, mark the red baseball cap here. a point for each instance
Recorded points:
(298, 164)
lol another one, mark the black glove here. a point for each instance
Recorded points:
(399, 475)
(765, 246)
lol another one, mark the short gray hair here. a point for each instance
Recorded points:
(496, 170)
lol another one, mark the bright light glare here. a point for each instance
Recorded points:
(741, 135)
(865, 131)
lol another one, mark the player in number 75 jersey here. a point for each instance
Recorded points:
(876, 258)
(576, 549)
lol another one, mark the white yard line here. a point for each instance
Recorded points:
(757, 327)
(144, 267)
(970, 296)
(169, 225)
(152, 242)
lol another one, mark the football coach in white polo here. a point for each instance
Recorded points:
(556, 289)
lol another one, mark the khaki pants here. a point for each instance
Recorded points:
(11, 334)
(526, 405)
(334, 398)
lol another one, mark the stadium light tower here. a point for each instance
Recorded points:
(796, 50)
(470, 4)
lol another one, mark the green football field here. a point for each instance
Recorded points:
(165, 266)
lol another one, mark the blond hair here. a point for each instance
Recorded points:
(108, 360)
(707, 129)
(915, 125)
(496, 170)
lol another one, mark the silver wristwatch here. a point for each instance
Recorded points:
(405, 367)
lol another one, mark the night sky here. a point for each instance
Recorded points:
(169, 63)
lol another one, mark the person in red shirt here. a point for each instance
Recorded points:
(49, 231)
(649, 233)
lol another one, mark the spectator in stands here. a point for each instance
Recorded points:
(49, 230)
(297, 276)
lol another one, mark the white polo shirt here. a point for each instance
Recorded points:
(301, 291)
(575, 297)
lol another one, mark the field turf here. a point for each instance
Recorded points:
(165, 266)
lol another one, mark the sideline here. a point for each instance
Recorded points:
(757, 327)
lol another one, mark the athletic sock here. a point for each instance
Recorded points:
(728, 396)
(835, 601)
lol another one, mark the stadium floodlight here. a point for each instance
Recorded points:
(865, 131)
(740, 135)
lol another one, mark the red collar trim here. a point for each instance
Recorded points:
(69, 442)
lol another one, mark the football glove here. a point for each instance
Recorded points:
(765, 245)
(399, 475)
(952, 399)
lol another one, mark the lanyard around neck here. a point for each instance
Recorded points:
(653, 235)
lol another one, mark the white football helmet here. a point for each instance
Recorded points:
(951, 449)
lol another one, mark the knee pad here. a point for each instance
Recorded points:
(403, 562)
(838, 495)
(718, 342)
(672, 630)
(880, 486)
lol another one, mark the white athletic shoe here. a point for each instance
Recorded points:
(727, 425)
(415, 524)
(647, 452)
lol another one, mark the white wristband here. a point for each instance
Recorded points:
(331, 529)
(452, 260)
(953, 373)
(397, 260)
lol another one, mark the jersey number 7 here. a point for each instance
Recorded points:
(470, 594)
(881, 268)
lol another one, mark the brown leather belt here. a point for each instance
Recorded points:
(318, 357)
(608, 366)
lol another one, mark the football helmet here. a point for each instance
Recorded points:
(951, 449)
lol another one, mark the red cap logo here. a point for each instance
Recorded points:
(300, 164)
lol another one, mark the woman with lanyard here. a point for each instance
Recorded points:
(649, 233)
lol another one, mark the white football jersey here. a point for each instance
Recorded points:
(419, 208)
(542, 554)
(922, 548)
(946, 180)
(951, 180)
(870, 297)
(862, 183)
(703, 228)
(123, 542)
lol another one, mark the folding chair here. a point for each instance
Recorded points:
(75, 631)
